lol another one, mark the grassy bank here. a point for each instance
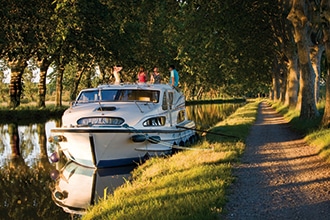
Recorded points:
(26, 114)
(188, 185)
(314, 135)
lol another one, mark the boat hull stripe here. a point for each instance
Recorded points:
(106, 130)
(91, 140)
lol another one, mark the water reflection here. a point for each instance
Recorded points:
(77, 187)
(207, 115)
(26, 188)
(25, 142)
(25, 173)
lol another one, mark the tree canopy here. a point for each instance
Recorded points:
(231, 48)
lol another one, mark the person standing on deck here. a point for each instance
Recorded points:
(142, 75)
(116, 74)
(174, 76)
(155, 77)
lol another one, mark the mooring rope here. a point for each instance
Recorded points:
(162, 142)
(209, 132)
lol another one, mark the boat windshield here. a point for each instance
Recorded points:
(121, 95)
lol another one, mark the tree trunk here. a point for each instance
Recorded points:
(77, 80)
(14, 140)
(42, 140)
(298, 17)
(199, 93)
(16, 87)
(316, 55)
(283, 81)
(88, 79)
(44, 65)
(105, 75)
(326, 116)
(291, 98)
(59, 86)
(276, 84)
(325, 4)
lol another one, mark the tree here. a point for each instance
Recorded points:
(46, 47)
(299, 16)
(27, 32)
(325, 9)
(224, 46)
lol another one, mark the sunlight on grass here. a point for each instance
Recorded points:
(314, 135)
(292, 116)
(321, 140)
(188, 185)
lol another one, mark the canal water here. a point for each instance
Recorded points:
(33, 186)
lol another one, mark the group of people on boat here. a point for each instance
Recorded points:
(155, 76)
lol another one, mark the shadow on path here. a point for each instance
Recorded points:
(280, 176)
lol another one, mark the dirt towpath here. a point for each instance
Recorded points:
(280, 176)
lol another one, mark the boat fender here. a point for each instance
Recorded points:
(57, 138)
(192, 139)
(138, 138)
(196, 136)
(61, 195)
(54, 157)
(154, 139)
(54, 174)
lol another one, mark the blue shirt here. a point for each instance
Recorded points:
(174, 74)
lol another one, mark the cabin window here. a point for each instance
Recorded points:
(121, 95)
(89, 121)
(181, 116)
(88, 96)
(108, 95)
(156, 121)
(168, 102)
(137, 95)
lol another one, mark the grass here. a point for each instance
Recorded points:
(321, 140)
(188, 185)
(292, 116)
(314, 135)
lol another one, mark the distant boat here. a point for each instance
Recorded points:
(115, 125)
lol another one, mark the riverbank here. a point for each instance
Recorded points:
(26, 114)
(188, 185)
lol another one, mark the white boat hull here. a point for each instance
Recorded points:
(104, 147)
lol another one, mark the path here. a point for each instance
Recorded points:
(280, 176)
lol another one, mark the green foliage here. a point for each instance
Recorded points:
(216, 45)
